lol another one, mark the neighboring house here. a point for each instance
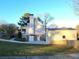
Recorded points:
(2, 35)
(34, 30)
(62, 36)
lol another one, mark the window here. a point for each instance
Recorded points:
(24, 30)
(42, 38)
(63, 36)
(35, 38)
(27, 38)
(77, 36)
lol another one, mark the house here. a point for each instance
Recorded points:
(62, 36)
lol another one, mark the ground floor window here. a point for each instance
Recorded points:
(42, 38)
(35, 38)
(27, 37)
(63, 36)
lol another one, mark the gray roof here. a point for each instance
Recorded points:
(61, 28)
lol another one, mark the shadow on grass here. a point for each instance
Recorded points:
(14, 49)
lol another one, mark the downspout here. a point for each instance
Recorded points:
(45, 29)
(34, 28)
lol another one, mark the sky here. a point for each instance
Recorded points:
(61, 10)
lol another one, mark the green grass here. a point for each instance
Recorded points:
(7, 49)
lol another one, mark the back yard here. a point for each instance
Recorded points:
(7, 48)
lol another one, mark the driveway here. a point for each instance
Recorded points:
(61, 56)
(65, 56)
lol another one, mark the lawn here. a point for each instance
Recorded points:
(8, 49)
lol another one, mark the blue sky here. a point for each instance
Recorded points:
(61, 10)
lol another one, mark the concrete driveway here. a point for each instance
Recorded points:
(61, 56)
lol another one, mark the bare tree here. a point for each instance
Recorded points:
(47, 19)
(8, 29)
(76, 6)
